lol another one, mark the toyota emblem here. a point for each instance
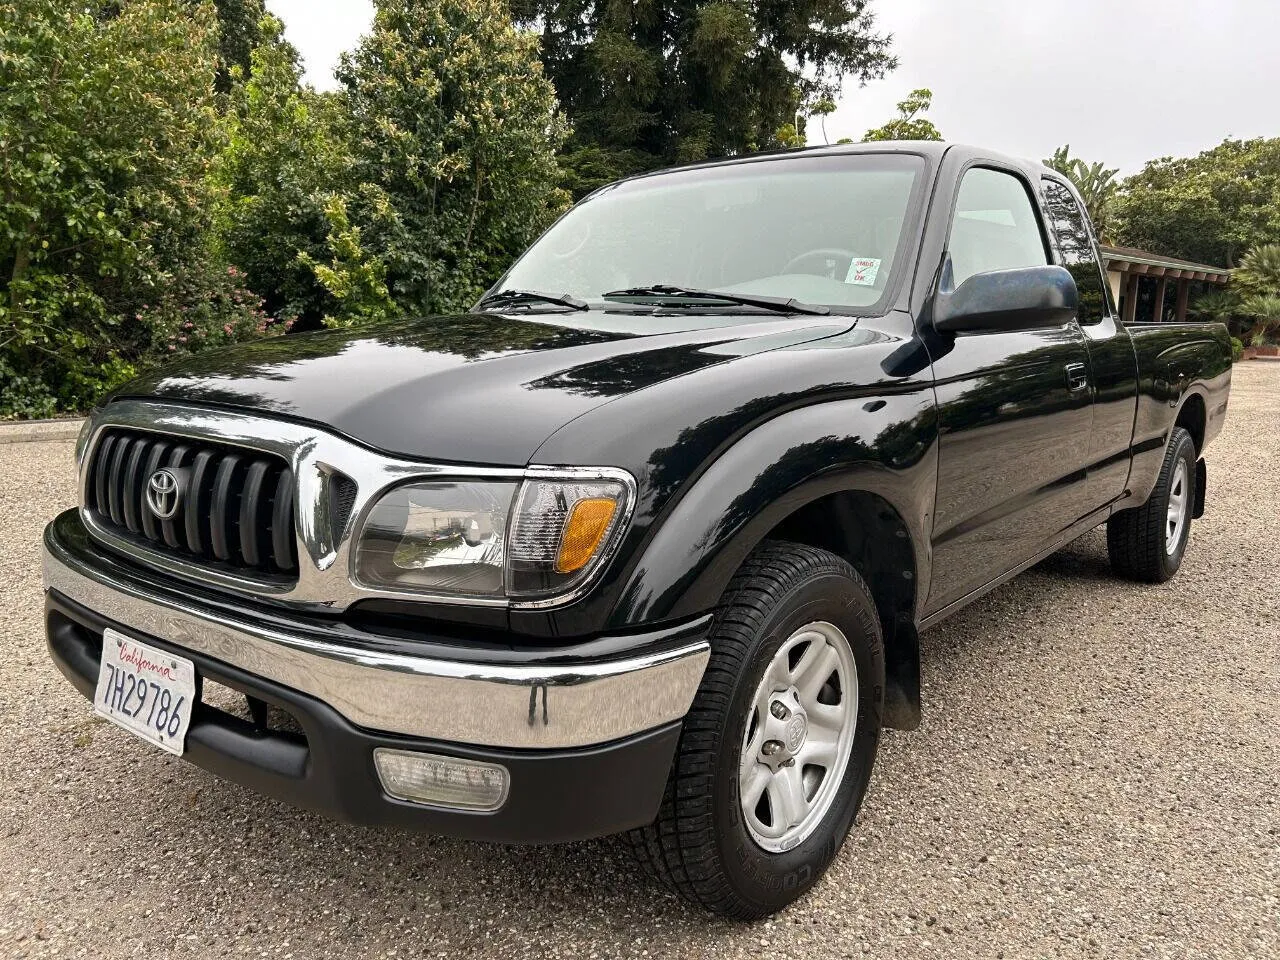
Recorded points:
(163, 494)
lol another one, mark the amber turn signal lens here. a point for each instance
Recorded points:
(587, 526)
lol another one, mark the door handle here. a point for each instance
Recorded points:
(1077, 377)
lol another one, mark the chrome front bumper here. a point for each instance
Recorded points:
(544, 706)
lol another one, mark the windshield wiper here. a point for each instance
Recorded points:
(665, 290)
(504, 298)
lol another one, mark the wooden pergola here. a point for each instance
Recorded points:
(1127, 266)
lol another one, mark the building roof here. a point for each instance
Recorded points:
(1133, 260)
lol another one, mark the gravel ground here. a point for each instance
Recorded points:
(1096, 776)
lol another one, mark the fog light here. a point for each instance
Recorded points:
(441, 781)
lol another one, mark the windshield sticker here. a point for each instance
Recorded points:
(862, 271)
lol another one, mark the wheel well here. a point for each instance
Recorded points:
(865, 530)
(1192, 419)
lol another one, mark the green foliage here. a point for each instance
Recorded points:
(171, 186)
(106, 131)
(586, 169)
(1096, 183)
(238, 34)
(1237, 349)
(1259, 270)
(453, 132)
(1254, 294)
(1250, 305)
(1062, 160)
(1209, 208)
(908, 125)
(1216, 306)
(1264, 308)
(209, 307)
(23, 396)
(789, 137)
(356, 281)
(656, 82)
(281, 162)
(822, 109)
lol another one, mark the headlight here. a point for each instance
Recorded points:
(530, 540)
(446, 538)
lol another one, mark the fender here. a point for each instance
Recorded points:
(1175, 363)
(884, 445)
(1149, 445)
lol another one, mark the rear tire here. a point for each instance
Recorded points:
(1147, 543)
(796, 638)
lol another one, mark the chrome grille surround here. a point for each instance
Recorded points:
(320, 461)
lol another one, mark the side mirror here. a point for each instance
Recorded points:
(1018, 299)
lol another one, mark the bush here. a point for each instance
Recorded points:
(108, 131)
(1264, 309)
(105, 121)
(205, 311)
(23, 397)
(1237, 349)
(356, 282)
(1259, 271)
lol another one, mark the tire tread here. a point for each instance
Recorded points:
(1135, 537)
(679, 847)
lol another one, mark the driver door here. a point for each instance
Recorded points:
(1015, 406)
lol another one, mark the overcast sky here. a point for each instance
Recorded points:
(1120, 80)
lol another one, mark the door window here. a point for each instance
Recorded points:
(1075, 243)
(996, 226)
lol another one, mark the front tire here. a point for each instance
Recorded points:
(1147, 543)
(777, 749)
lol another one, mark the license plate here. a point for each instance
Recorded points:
(147, 691)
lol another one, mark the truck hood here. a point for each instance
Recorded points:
(473, 388)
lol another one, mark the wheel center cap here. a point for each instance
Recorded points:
(797, 730)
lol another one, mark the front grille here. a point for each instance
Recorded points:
(235, 507)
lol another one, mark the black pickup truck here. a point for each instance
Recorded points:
(645, 541)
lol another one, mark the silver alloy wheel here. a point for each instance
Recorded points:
(799, 736)
(1179, 503)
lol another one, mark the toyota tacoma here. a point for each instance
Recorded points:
(644, 542)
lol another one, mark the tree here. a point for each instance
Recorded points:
(1096, 184)
(823, 109)
(238, 34)
(1216, 306)
(1257, 283)
(1209, 208)
(1248, 305)
(1265, 310)
(454, 129)
(106, 133)
(909, 125)
(666, 81)
(281, 163)
(790, 138)
(1259, 271)
(1062, 160)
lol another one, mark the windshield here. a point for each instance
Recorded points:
(822, 230)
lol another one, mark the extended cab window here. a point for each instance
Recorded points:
(995, 227)
(824, 230)
(1075, 243)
